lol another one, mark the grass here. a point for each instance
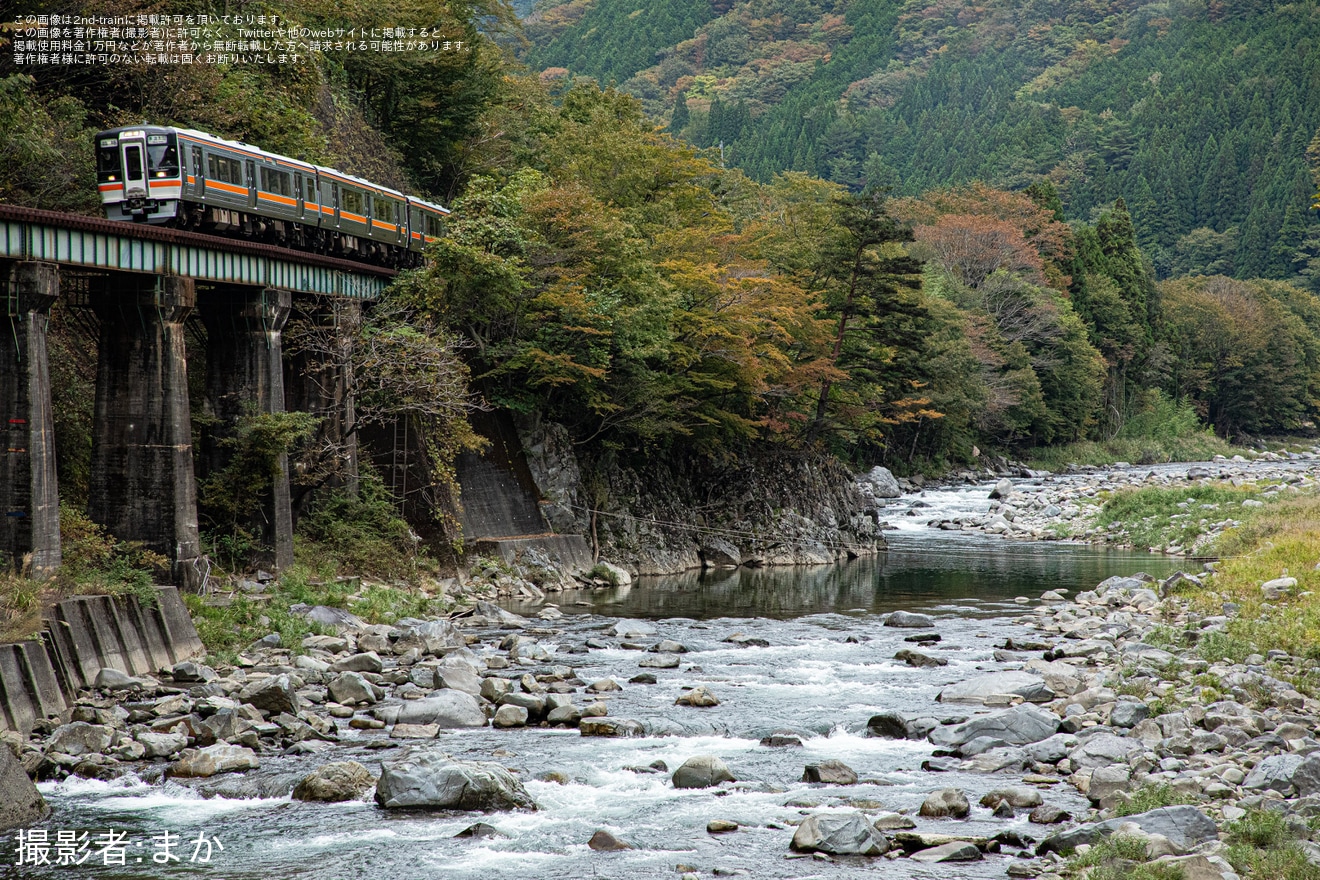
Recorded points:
(1153, 517)
(1263, 846)
(228, 629)
(1151, 797)
(1281, 537)
(1121, 857)
(93, 563)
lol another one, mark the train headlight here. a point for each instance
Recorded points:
(112, 178)
(160, 173)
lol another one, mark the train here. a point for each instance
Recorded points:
(186, 179)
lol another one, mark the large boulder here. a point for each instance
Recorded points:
(351, 688)
(80, 738)
(337, 781)
(1104, 750)
(702, 771)
(366, 661)
(162, 745)
(830, 773)
(447, 708)
(881, 483)
(272, 695)
(909, 620)
(1275, 773)
(977, 689)
(946, 803)
(1019, 725)
(839, 833)
(433, 782)
(20, 802)
(1184, 826)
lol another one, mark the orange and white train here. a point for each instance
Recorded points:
(192, 180)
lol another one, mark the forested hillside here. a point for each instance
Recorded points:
(1196, 112)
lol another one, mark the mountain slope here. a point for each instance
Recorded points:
(1198, 114)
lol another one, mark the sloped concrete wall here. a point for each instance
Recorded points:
(83, 635)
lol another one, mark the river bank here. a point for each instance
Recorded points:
(843, 708)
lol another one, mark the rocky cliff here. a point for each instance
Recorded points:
(666, 514)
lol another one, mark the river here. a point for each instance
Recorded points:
(826, 666)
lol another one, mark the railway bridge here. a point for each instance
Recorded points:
(139, 289)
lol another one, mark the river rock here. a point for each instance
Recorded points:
(881, 483)
(1274, 773)
(908, 620)
(1019, 797)
(161, 745)
(954, 851)
(946, 803)
(1019, 725)
(568, 716)
(1049, 814)
(79, 738)
(1107, 783)
(219, 758)
(1128, 712)
(336, 617)
(1184, 826)
(610, 727)
(350, 688)
(1104, 750)
(510, 716)
(113, 680)
(660, 661)
(716, 552)
(847, 833)
(272, 695)
(702, 771)
(603, 841)
(698, 697)
(919, 660)
(721, 826)
(334, 782)
(447, 708)
(21, 804)
(633, 629)
(892, 725)
(190, 672)
(978, 689)
(604, 686)
(1002, 489)
(367, 661)
(432, 781)
(830, 773)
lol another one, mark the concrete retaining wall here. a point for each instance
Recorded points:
(83, 635)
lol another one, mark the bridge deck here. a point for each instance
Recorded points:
(94, 242)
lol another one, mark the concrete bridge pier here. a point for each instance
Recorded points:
(142, 486)
(29, 491)
(245, 375)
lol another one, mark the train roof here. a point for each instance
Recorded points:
(440, 209)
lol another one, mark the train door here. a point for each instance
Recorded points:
(251, 183)
(198, 172)
(134, 156)
(334, 194)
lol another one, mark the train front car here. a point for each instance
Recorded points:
(138, 173)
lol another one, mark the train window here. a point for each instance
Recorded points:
(433, 227)
(383, 209)
(197, 162)
(276, 181)
(133, 162)
(309, 185)
(224, 168)
(162, 156)
(107, 162)
(353, 202)
(334, 194)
